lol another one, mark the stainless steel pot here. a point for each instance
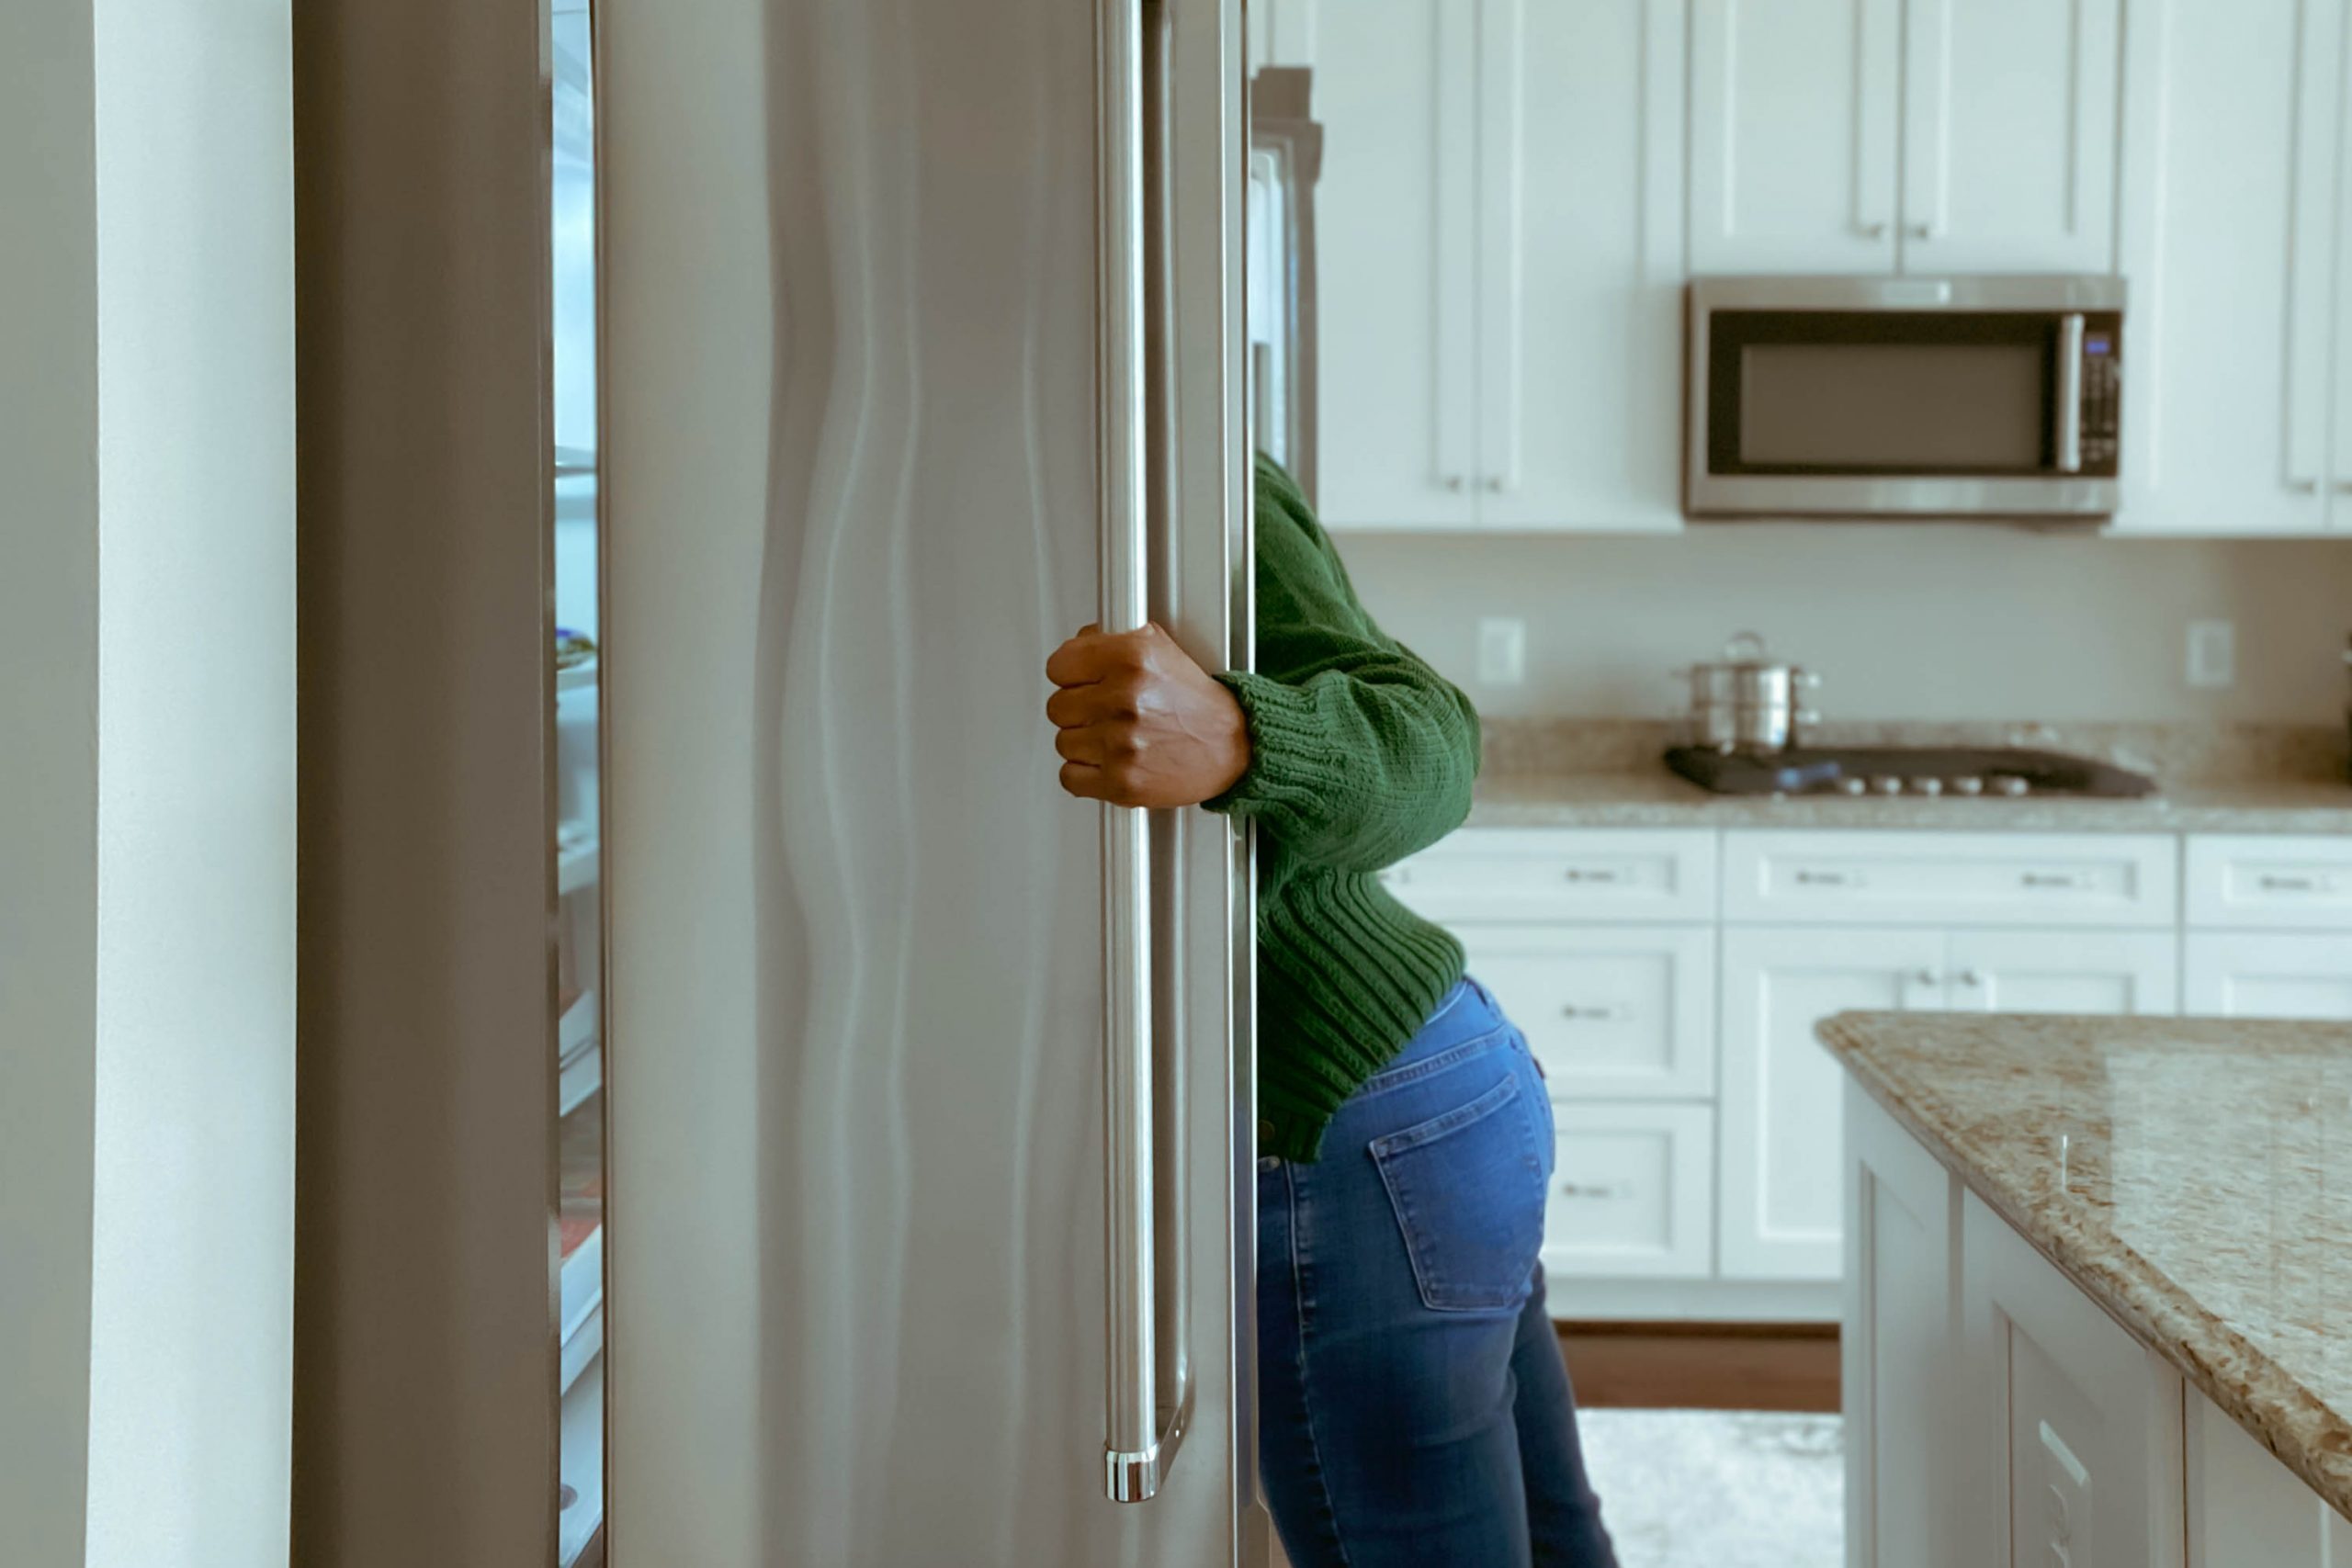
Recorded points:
(1748, 702)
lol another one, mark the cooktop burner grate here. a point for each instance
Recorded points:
(1907, 770)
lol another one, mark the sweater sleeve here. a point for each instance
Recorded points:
(1360, 754)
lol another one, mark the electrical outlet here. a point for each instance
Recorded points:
(2212, 655)
(1503, 652)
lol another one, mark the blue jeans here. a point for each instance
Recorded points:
(1413, 1406)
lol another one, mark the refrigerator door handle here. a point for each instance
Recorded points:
(1146, 1422)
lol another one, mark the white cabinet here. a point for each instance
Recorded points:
(1499, 243)
(2229, 209)
(1780, 1184)
(1631, 1192)
(1779, 1195)
(1395, 285)
(2247, 1508)
(1580, 265)
(2268, 974)
(1793, 128)
(1501, 874)
(2269, 882)
(1948, 879)
(2009, 135)
(1921, 136)
(1612, 1012)
(1900, 1348)
(2089, 1421)
(2076, 972)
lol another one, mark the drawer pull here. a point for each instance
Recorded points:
(1971, 979)
(1591, 1015)
(1604, 1190)
(2060, 879)
(2273, 882)
(1594, 875)
(1828, 879)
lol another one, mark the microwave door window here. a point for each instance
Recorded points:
(1893, 407)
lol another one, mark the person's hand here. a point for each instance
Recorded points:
(1138, 723)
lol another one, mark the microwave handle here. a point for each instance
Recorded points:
(2069, 412)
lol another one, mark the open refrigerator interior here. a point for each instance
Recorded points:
(579, 1053)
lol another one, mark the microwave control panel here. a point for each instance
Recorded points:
(2102, 395)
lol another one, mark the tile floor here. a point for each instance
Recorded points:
(1719, 1488)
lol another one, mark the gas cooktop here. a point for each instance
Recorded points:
(1891, 771)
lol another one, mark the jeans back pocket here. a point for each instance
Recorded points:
(1468, 1191)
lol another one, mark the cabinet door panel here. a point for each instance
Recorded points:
(1793, 131)
(2115, 973)
(1631, 1192)
(1580, 265)
(1612, 1012)
(1900, 1346)
(2092, 1421)
(2230, 114)
(2011, 143)
(2244, 1505)
(1394, 88)
(1782, 1175)
(2268, 974)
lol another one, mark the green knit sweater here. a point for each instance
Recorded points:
(1359, 755)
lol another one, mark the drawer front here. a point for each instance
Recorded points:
(2272, 882)
(1504, 874)
(1952, 879)
(1632, 1193)
(1624, 1012)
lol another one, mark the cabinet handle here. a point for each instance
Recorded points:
(2304, 487)
(2050, 879)
(1495, 484)
(1926, 977)
(1826, 879)
(1591, 1015)
(1603, 1189)
(1454, 482)
(1972, 979)
(1871, 231)
(2273, 883)
(1581, 873)
(1922, 231)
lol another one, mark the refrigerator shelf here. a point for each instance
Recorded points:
(577, 865)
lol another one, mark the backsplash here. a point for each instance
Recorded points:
(2185, 754)
(1904, 622)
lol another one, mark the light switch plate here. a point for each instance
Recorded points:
(1503, 652)
(2212, 655)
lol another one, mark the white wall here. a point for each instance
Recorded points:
(49, 649)
(146, 849)
(1940, 623)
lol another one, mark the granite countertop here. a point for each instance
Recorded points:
(1653, 798)
(2194, 1177)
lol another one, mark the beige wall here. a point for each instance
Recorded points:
(48, 769)
(1942, 622)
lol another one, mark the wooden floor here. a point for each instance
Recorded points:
(1702, 1366)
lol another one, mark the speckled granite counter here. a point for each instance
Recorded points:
(1656, 798)
(2194, 1177)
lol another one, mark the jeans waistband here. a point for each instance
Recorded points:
(1468, 1015)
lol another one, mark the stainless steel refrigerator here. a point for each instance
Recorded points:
(931, 1186)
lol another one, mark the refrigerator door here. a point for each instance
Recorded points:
(870, 375)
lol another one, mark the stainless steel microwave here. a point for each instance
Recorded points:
(1905, 397)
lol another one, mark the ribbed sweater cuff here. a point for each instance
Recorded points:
(1292, 764)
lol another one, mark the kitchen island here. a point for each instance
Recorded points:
(2098, 1291)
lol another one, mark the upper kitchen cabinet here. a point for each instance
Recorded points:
(1912, 136)
(2229, 235)
(1499, 250)
(1581, 160)
(1793, 107)
(1395, 217)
